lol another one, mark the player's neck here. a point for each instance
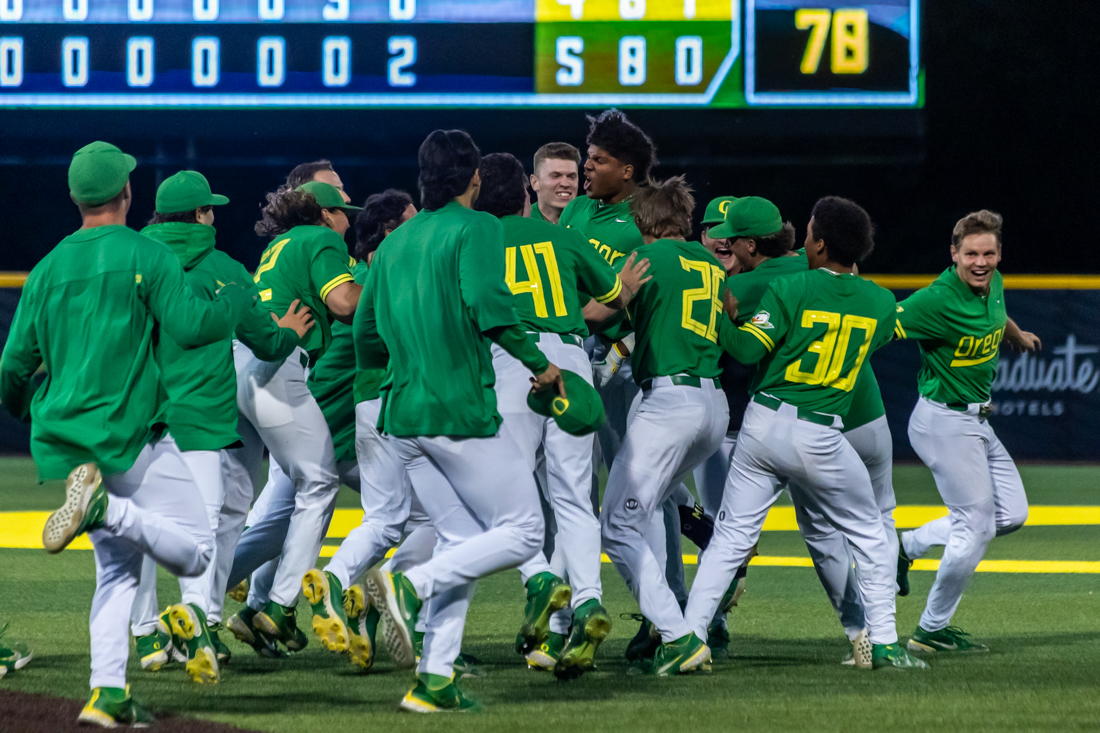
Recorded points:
(549, 213)
(836, 268)
(104, 219)
(628, 189)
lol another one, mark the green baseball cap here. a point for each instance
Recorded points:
(581, 413)
(750, 216)
(717, 208)
(99, 171)
(327, 195)
(186, 191)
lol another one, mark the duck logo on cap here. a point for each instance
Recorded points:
(559, 406)
(724, 207)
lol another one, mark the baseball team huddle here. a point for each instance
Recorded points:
(467, 369)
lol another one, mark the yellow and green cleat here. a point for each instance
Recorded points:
(591, 625)
(239, 592)
(546, 656)
(110, 707)
(280, 622)
(950, 639)
(894, 657)
(397, 599)
(546, 593)
(904, 564)
(243, 627)
(14, 655)
(363, 617)
(188, 625)
(85, 509)
(686, 655)
(433, 693)
(325, 595)
(154, 650)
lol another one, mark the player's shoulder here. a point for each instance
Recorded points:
(578, 205)
(315, 236)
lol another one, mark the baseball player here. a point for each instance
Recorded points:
(682, 415)
(959, 322)
(555, 180)
(307, 261)
(202, 402)
(14, 655)
(439, 407)
(553, 272)
(812, 333)
(96, 417)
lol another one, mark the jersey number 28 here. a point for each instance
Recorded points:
(832, 348)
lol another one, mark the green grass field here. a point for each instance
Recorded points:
(1043, 672)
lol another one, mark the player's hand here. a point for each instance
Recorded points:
(633, 274)
(729, 305)
(549, 379)
(1026, 341)
(298, 319)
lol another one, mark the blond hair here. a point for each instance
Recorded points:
(977, 222)
(663, 209)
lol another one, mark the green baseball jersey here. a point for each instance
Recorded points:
(959, 333)
(812, 334)
(866, 401)
(675, 315)
(610, 228)
(536, 214)
(554, 272)
(332, 379)
(89, 316)
(435, 286)
(202, 383)
(305, 264)
(749, 287)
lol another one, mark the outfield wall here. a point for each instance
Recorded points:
(1047, 405)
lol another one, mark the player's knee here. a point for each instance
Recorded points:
(200, 561)
(1011, 521)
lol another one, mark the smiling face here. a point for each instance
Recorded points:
(605, 175)
(720, 248)
(976, 258)
(556, 182)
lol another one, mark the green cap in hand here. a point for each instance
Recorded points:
(98, 173)
(579, 413)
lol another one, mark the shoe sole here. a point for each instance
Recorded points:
(202, 664)
(700, 660)
(329, 629)
(23, 661)
(395, 634)
(918, 648)
(540, 661)
(412, 704)
(153, 662)
(239, 592)
(240, 630)
(582, 658)
(355, 602)
(62, 526)
(861, 652)
(537, 631)
(91, 716)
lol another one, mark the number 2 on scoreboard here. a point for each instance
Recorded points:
(850, 37)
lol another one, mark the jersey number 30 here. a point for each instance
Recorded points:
(533, 284)
(832, 349)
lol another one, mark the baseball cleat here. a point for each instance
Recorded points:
(950, 639)
(396, 598)
(85, 509)
(110, 707)
(546, 656)
(326, 597)
(467, 666)
(280, 622)
(188, 624)
(223, 652)
(642, 649)
(154, 649)
(904, 564)
(685, 655)
(696, 525)
(239, 592)
(363, 617)
(861, 653)
(894, 656)
(737, 587)
(718, 639)
(14, 655)
(243, 627)
(591, 625)
(546, 593)
(433, 693)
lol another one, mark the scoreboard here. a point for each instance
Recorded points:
(459, 53)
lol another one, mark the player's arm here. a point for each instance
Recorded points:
(1021, 340)
(192, 322)
(269, 337)
(370, 349)
(21, 359)
(917, 317)
(757, 337)
(597, 276)
(330, 274)
(343, 299)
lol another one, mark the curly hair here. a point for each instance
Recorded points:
(448, 160)
(624, 140)
(978, 222)
(287, 209)
(382, 211)
(846, 228)
(503, 185)
(663, 209)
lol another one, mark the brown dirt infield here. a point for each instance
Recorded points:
(24, 712)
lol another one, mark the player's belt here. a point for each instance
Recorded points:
(984, 411)
(818, 418)
(566, 338)
(683, 380)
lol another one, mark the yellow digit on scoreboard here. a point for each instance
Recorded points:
(597, 10)
(849, 27)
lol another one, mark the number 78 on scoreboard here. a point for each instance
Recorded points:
(409, 53)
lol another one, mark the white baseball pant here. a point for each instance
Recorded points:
(154, 509)
(568, 466)
(206, 469)
(674, 429)
(481, 497)
(711, 475)
(773, 445)
(982, 489)
(274, 398)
